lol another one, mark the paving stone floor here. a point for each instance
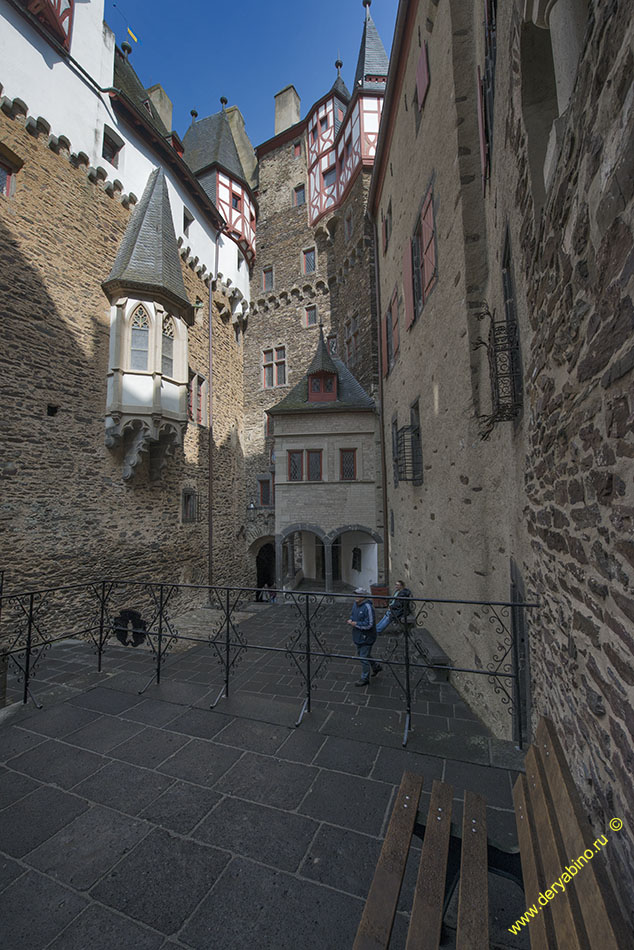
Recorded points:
(152, 821)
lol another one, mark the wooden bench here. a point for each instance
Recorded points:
(552, 830)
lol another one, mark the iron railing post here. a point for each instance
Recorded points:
(27, 665)
(102, 626)
(160, 636)
(308, 670)
(227, 645)
(408, 687)
(517, 696)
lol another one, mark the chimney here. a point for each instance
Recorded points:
(287, 104)
(163, 105)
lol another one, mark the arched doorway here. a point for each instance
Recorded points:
(265, 565)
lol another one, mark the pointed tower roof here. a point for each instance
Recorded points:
(147, 262)
(210, 142)
(350, 393)
(373, 60)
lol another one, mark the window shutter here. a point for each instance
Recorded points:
(408, 290)
(395, 316)
(429, 244)
(481, 129)
(384, 360)
(422, 76)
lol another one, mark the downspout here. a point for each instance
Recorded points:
(210, 487)
(386, 524)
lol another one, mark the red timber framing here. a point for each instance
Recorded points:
(56, 16)
(236, 205)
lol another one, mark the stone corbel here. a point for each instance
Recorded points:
(136, 441)
(538, 12)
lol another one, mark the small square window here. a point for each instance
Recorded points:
(309, 260)
(314, 465)
(348, 460)
(323, 123)
(330, 176)
(311, 316)
(111, 146)
(297, 150)
(299, 196)
(267, 278)
(189, 506)
(295, 466)
(236, 201)
(315, 384)
(5, 181)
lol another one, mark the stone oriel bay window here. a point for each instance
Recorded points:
(147, 384)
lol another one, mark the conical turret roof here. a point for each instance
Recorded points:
(147, 262)
(373, 60)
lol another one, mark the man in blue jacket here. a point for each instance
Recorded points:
(364, 634)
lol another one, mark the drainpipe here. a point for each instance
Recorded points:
(210, 487)
(386, 520)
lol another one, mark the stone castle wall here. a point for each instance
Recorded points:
(67, 516)
(574, 272)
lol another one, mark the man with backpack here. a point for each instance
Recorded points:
(364, 634)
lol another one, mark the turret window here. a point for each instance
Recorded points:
(139, 343)
(167, 347)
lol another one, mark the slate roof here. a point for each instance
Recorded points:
(210, 142)
(339, 87)
(129, 83)
(147, 261)
(350, 393)
(373, 60)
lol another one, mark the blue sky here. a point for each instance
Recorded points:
(200, 50)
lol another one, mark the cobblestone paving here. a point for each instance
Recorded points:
(153, 821)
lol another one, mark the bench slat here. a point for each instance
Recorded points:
(602, 916)
(377, 920)
(473, 903)
(427, 911)
(564, 907)
(540, 927)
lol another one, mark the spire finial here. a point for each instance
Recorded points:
(194, 115)
(367, 4)
(338, 64)
(223, 102)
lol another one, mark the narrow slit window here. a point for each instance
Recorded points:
(167, 347)
(139, 340)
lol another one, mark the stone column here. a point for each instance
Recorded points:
(279, 580)
(328, 564)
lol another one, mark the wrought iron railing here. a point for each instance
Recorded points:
(140, 613)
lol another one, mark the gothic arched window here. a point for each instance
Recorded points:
(139, 339)
(167, 347)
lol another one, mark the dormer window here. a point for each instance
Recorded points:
(322, 387)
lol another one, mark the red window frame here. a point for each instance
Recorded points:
(332, 170)
(323, 123)
(268, 363)
(297, 150)
(311, 453)
(309, 250)
(353, 453)
(422, 76)
(300, 453)
(236, 201)
(265, 490)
